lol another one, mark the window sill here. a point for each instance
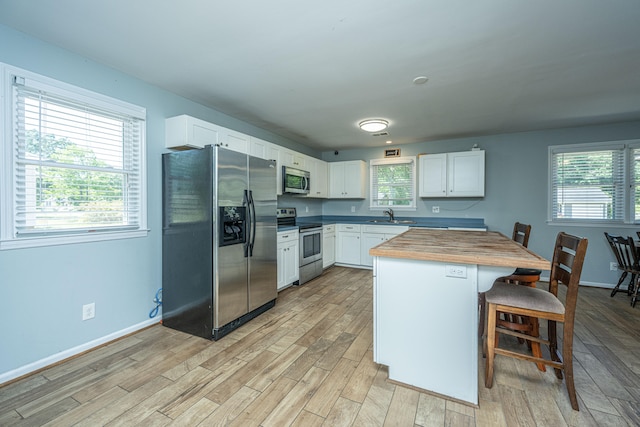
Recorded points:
(35, 242)
(579, 223)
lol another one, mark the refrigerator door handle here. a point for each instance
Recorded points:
(247, 224)
(252, 215)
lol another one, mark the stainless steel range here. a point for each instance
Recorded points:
(310, 244)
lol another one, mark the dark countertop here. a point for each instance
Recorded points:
(430, 222)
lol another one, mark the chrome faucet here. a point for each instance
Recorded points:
(390, 213)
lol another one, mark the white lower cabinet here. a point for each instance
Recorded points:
(348, 244)
(373, 235)
(353, 242)
(288, 258)
(328, 245)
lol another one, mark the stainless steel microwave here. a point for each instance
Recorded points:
(295, 181)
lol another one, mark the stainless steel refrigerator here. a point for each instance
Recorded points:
(218, 240)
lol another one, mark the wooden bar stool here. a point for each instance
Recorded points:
(566, 267)
(525, 277)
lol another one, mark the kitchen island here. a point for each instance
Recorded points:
(426, 285)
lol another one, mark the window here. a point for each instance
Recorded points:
(595, 183)
(393, 183)
(73, 164)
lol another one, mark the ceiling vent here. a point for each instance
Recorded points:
(380, 134)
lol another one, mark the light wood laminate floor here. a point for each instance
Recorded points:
(308, 362)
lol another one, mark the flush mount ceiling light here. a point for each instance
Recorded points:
(373, 125)
(420, 80)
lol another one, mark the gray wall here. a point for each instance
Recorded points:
(43, 289)
(516, 189)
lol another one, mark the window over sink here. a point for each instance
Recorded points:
(393, 183)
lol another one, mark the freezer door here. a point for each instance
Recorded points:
(263, 256)
(187, 250)
(230, 286)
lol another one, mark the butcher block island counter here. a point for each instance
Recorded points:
(425, 286)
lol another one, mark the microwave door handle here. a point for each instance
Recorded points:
(305, 185)
(247, 224)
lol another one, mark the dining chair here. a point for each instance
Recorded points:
(624, 257)
(566, 267)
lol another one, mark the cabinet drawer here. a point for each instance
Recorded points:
(349, 227)
(329, 229)
(386, 229)
(287, 236)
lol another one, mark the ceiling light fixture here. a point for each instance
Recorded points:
(389, 142)
(420, 80)
(373, 125)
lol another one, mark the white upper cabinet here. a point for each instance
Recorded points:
(293, 159)
(274, 153)
(433, 175)
(235, 141)
(259, 148)
(183, 132)
(458, 174)
(319, 185)
(347, 179)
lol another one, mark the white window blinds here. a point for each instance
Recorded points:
(393, 183)
(77, 162)
(588, 184)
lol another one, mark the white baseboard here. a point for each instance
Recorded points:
(47, 361)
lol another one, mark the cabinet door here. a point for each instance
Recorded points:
(336, 180)
(273, 153)
(235, 141)
(288, 263)
(281, 260)
(328, 249)
(293, 159)
(292, 264)
(347, 180)
(259, 148)
(466, 174)
(318, 171)
(188, 132)
(368, 241)
(348, 248)
(354, 179)
(433, 175)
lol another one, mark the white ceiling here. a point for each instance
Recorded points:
(311, 70)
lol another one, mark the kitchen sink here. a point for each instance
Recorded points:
(392, 221)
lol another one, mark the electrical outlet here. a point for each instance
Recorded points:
(456, 271)
(435, 209)
(306, 208)
(613, 266)
(89, 311)
(353, 208)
